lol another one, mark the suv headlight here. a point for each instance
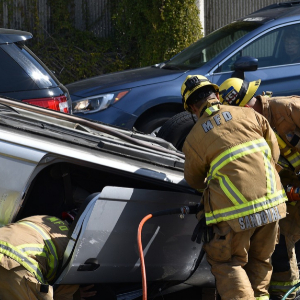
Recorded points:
(97, 103)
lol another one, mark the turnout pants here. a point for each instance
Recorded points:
(19, 284)
(240, 261)
(285, 270)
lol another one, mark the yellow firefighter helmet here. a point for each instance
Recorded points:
(237, 92)
(191, 84)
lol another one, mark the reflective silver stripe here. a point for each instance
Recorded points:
(24, 259)
(270, 171)
(294, 161)
(48, 243)
(282, 288)
(230, 190)
(29, 249)
(256, 206)
(243, 149)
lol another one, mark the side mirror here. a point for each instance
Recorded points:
(244, 64)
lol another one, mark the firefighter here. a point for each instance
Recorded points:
(230, 156)
(283, 114)
(30, 254)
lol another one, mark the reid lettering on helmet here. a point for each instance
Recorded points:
(230, 95)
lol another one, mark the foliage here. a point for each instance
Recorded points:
(145, 32)
(152, 31)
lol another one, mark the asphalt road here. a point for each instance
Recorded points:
(191, 294)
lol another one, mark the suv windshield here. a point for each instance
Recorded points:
(208, 47)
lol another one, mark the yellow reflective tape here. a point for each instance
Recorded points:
(27, 262)
(294, 159)
(270, 173)
(234, 153)
(210, 110)
(251, 207)
(51, 253)
(262, 298)
(230, 190)
(30, 246)
(277, 286)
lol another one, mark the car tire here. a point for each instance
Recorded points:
(176, 129)
(153, 123)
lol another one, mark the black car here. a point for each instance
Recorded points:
(24, 77)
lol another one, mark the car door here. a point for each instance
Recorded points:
(276, 72)
(103, 242)
(21, 162)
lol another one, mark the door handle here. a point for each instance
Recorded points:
(91, 264)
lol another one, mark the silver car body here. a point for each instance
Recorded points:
(51, 162)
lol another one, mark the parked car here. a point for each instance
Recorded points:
(53, 162)
(145, 98)
(24, 77)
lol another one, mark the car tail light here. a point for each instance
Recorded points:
(59, 103)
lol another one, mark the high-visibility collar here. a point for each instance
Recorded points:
(212, 109)
(240, 205)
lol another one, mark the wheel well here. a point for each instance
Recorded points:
(167, 107)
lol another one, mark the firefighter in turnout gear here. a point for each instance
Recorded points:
(30, 252)
(283, 114)
(231, 154)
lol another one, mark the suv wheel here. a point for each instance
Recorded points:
(176, 129)
(152, 124)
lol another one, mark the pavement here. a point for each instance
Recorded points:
(193, 293)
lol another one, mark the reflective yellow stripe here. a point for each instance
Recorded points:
(277, 286)
(270, 174)
(241, 207)
(235, 153)
(237, 211)
(210, 110)
(27, 262)
(294, 159)
(32, 249)
(230, 190)
(262, 298)
(51, 253)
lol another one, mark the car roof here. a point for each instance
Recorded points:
(13, 36)
(274, 12)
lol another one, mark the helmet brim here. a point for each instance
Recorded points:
(252, 88)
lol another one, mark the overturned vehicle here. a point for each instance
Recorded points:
(52, 162)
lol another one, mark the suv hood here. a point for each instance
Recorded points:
(122, 80)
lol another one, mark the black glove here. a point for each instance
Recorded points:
(202, 232)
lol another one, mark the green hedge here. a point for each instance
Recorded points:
(151, 31)
(145, 32)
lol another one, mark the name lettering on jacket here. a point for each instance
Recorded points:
(260, 218)
(208, 125)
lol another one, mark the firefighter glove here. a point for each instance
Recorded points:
(202, 232)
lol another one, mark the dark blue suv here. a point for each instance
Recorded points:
(145, 98)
